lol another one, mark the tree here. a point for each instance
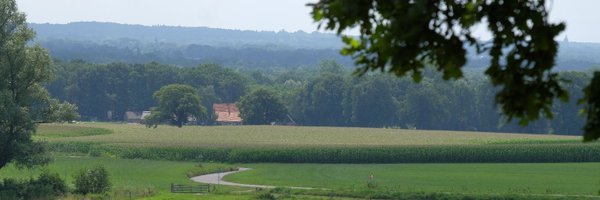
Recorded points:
(320, 102)
(404, 36)
(261, 106)
(64, 112)
(373, 104)
(592, 94)
(23, 68)
(176, 103)
(95, 181)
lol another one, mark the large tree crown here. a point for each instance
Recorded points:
(405, 36)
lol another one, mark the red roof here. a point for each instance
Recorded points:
(227, 112)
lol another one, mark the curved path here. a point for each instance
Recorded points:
(217, 179)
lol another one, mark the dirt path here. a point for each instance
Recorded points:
(217, 178)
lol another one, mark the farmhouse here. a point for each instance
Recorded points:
(227, 114)
(135, 117)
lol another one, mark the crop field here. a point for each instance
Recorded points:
(276, 136)
(286, 144)
(522, 178)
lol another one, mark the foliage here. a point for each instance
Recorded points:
(405, 36)
(23, 69)
(325, 97)
(62, 112)
(47, 186)
(592, 94)
(176, 104)
(373, 104)
(261, 106)
(94, 181)
(321, 101)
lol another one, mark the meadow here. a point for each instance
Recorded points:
(141, 178)
(506, 178)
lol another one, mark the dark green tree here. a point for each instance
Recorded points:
(261, 106)
(373, 104)
(592, 94)
(402, 36)
(23, 68)
(176, 104)
(94, 181)
(320, 102)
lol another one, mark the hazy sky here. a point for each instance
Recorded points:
(582, 16)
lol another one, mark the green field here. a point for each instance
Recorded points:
(544, 179)
(547, 178)
(125, 173)
(277, 136)
(141, 177)
(112, 145)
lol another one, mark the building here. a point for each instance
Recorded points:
(227, 114)
(135, 117)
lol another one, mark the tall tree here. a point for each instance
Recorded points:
(23, 69)
(261, 106)
(320, 102)
(176, 103)
(373, 104)
(404, 36)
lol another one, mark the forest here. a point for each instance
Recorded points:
(323, 95)
(114, 68)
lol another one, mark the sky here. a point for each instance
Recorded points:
(581, 16)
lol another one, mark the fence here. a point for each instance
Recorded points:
(176, 188)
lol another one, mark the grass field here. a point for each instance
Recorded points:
(124, 173)
(141, 177)
(147, 175)
(547, 178)
(288, 136)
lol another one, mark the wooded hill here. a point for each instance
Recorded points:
(189, 46)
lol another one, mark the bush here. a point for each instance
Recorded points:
(265, 196)
(57, 186)
(47, 186)
(95, 181)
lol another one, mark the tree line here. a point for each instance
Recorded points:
(325, 95)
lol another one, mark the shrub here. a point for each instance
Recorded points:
(54, 182)
(47, 186)
(265, 196)
(95, 181)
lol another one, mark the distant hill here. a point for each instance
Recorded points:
(188, 46)
(100, 32)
